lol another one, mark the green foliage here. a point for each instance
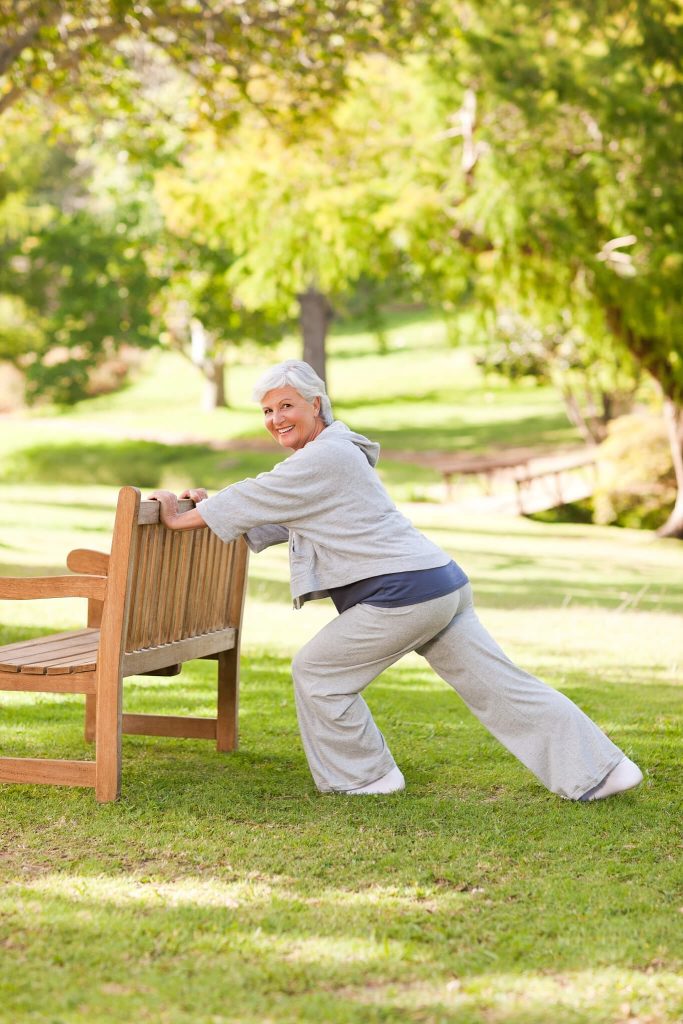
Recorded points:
(198, 290)
(574, 194)
(21, 331)
(288, 58)
(596, 385)
(72, 263)
(636, 482)
(324, 210)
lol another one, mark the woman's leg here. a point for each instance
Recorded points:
(344, 747)
(540, 726)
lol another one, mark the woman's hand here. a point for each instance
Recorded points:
(169, 515)
(169, 505)
(195, 493)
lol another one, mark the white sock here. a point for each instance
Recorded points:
(626, 775)
(392, 782)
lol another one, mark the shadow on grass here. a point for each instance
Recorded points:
(539, 430)
(271, 956)
(573, 591)
(409, 397)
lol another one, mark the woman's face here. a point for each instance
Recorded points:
(291, 420)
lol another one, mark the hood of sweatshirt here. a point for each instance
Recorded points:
(338, 431)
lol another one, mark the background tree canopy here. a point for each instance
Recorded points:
(249, 163)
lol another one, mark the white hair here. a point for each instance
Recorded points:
(294, 373)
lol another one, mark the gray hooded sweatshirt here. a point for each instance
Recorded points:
(328, 502)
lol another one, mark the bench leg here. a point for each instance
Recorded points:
(228, 699)
(108, 736)
(90, 716)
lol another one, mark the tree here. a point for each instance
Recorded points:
(73, 278)
(250, 50)
(597, 386)
(569, 190)
(308, 218)
(200, 316)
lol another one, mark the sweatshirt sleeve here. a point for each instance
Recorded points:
(292, 492)
(262, 537)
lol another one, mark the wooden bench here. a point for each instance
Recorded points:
(161, 598)
(555, 468)
(519, 466)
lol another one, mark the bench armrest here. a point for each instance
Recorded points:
(31, 588)
(92, 563)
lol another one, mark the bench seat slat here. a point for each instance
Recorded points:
(64, 655)
(51, 637)
(56, 654)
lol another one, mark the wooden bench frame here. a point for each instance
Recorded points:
(520, 465)
(161, 598)
(555, 467)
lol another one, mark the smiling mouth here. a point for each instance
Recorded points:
(285, 430)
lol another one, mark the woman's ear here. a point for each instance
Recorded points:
(316, 405)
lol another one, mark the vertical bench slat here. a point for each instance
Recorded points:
(169, 595)
(192, 593)
(214, 576)
(134, 637)
(157, 630)
(202, 618)
(224, 594)
(238, 583)
(150, 584)
(223, 557)
(227, 601)
(198, 581)
(190, 589)
(182, 582)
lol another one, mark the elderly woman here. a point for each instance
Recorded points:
(395, 592)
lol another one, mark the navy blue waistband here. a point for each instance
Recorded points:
(398, 589)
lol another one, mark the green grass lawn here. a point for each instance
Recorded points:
(224, 889)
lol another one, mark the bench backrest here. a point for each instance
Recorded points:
(182, 582)
(171, 585)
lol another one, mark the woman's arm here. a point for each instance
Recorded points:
(169, 514)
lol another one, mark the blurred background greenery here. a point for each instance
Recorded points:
(205, 181)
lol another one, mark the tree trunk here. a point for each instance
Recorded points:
(213, 395)
(211, 361)
(315, 314)
(673, 415)
(577, 419)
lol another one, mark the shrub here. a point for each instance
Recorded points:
(636, 485)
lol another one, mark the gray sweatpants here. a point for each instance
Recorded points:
(346, 750)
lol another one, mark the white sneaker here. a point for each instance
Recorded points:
(392, 782)
(626, 775)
